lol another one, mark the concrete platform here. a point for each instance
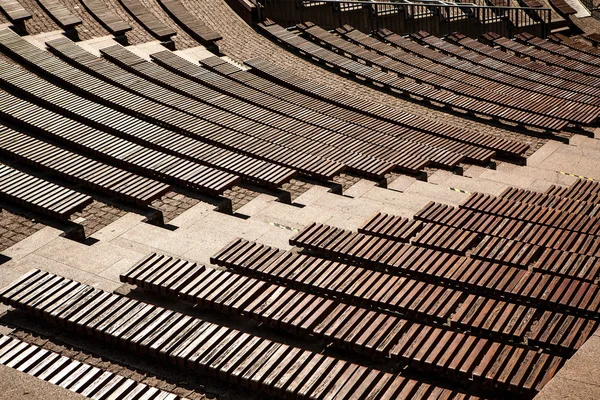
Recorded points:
(15, 385)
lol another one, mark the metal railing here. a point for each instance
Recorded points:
(404, 17)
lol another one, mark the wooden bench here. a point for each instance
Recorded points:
(438, 74)
(419, 346)
(152, 136)
(563, 7)
(576, 44)
(448, 269)
(428, 144)
(550, 200)
(115, 150)
(148, 20)
(559, 219)
(277, 306)
(368, 158)
(493, 225)
(76, 376)
(111, 21)
(351, 284)
(382, 113)
(582, 190)
(410, 138)
(15, 12)
(359, 156)
(60, 13)
(188, 21)
(401, 86)
(204, 347)
(502, 61)
(551, 53)
(156, 113)
(40, 195)
(72, 167)
(408, 156)
(515, 82)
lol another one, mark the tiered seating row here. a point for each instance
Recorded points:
(511, 252)
(490, 71)
(589, 57)
(506, 148)
(582, 190)
(327, 278)
(111, 21)
(503, 61)
(576, 44)
(14, 10)
(542, 51)
(139, 131)
(532, 213)
(196, 28)
(522, 231)
(403, 86)
(555, 202)
(113, 149)
(60, 13)
(143, 108)
(345, 325)
(474, 154)
(40, 195)
(120, 184)
(76, 376)
(438, 75)
(556, 292)
(393, 149)
(547, 329)
(148, 20)
(254, 121)
(359, 154)
(189, 342)
(356, 285)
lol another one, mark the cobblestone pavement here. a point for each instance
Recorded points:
(172, 204)
(240, 196)
(346, 180)
(14, 228)
(297, 187)
(96, 216)
(39, 21)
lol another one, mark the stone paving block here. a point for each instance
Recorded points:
(256, 205)
(584, 365)
(32, 243)
(566, 389)
(159, 238)
(475, 185)
(359, 188)
(192, 215)
(78, 255)
(379, 197)
(438, 193)
(120, 226)
(311, 195)
(18, 385)
(585, 141)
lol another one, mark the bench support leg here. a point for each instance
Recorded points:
(283, 196)
(154, 217)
